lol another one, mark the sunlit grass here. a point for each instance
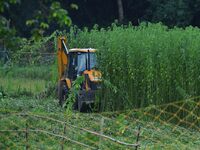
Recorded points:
(20, 85)
(43, 72)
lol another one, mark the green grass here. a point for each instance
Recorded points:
(28, 80)
(43, 72)
(19, 86)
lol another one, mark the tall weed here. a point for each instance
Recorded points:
(148, 64)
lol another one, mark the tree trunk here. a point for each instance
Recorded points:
(120, 10)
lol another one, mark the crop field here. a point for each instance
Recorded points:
(150, 96)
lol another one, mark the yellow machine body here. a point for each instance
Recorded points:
(92, 76)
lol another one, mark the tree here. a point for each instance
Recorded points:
(48, 15)
(120, 10)
(5, 4)
(42, 17)
(7, 33)
(171, 13)
(194, 8)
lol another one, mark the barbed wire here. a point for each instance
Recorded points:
(41, 53)
(63, 123)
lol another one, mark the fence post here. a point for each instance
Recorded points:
(63, 140)
(26, 135)
(137, 138)
(101, 132)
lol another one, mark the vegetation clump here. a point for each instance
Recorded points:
(148, 64)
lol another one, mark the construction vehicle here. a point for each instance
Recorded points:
(73, 63)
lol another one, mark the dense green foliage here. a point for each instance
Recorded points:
(21, 19)
(56, 16)
(38, 17)
(149, 64)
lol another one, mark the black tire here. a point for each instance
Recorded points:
(75, 105)
(80, 103)
(61, 92)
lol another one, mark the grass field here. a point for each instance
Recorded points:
(19, 86)
(28, 80)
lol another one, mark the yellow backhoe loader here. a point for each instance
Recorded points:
(73, 63)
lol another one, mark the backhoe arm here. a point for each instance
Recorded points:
(62, 55)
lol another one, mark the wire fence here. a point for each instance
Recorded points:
(29, 53)
(154, 127)
(22, 130)
(169, 126)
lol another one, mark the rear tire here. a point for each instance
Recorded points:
(75, 106)
(61, 92)
(80, 103)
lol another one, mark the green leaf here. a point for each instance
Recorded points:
(44, 25)
(74, 6)
(30, 22)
